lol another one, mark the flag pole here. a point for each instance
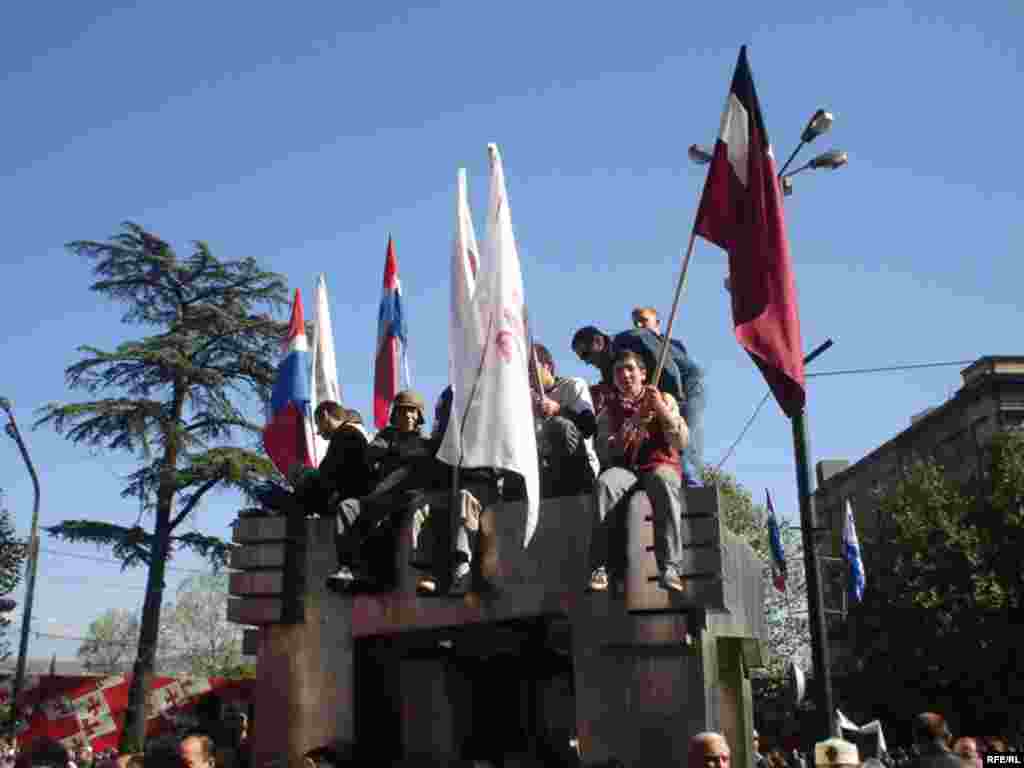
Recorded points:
(675, 307)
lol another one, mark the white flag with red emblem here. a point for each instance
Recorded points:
(496, 411)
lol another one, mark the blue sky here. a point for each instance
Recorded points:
(303, 134)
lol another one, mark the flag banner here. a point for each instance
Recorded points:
(325, 386)
(775, 544)
(741, 212)
(391, 341)
(495, 411)
(465, 333)
(874, 728)
(851, 553)
(288, 435)
(90, 711)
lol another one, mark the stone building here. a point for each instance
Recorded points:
(954, 434)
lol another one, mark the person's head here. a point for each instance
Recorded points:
(630, 372)
(709, 750)
(646, 317)
(321, 757)
(329, 416)
(967, 748)
(591, 346)
(757, 737)
(407, 411)
(196, 750)
(931, 728)
(836, 753)
(996, 744)
(545, 364)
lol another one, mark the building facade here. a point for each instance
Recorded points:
(954, 434)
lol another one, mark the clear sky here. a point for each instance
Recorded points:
(302, 134)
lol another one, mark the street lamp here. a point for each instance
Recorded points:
(33, 560)
(820, 122)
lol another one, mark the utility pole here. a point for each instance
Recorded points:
(33, 561)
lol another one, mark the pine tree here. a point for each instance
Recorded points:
(177, 400)
(12, 557)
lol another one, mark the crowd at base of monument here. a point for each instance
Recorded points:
(933, 747)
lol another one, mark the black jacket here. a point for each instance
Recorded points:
(344, 470)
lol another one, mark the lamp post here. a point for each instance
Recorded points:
(33, 558)
(820, 122)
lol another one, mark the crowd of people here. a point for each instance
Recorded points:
(933, 747)
(624, 433)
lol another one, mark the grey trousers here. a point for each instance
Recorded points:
(664, 488)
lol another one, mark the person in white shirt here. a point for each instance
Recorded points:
(566, 425)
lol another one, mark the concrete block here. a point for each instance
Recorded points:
(245, 583)
(263, 555)
(249, 530)
(257, 611)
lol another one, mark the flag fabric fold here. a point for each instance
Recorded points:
(325, 386)
(851, 553)
(465, 334)
(741, 212)
(288, 434)
(391, 341)
(494, 412)
(775, 545)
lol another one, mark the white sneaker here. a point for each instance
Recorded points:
(343, 575)
(598, 580)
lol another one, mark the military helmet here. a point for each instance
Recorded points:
(408, 398)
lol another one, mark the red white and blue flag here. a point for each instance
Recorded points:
(288, 434)
(391, 341)
(741, 212)
(775, 545)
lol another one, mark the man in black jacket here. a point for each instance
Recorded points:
(932, 737)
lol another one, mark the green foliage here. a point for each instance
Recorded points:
(196, 637)
(952, 575)
(110, 642)
(785, 613)
(13, 552)
(176, 399)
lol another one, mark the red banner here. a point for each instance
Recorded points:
(80, 711)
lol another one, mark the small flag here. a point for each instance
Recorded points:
(325, 386)
(851, 553)
(288, 434)
(391, 341)
(775, 544)
(741, 212)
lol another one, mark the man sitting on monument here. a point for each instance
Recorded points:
(681, 377)
(566, 425)
(640, 434)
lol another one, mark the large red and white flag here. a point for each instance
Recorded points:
(465, 335)
(90, 711)
(496, 411)
(741, 211)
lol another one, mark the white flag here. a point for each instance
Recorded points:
(494, 409)
(324, 381)
(465, 335)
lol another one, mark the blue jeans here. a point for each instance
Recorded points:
(692, 410)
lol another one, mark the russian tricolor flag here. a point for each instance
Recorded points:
(391, 341)
(775, 545)
(288, 434)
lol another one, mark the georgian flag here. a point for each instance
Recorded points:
(741, 212)
(851, 553)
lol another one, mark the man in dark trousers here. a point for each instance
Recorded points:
(932, 737)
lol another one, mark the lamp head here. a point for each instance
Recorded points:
(700, 155)
(834, 158)
(819, 123)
